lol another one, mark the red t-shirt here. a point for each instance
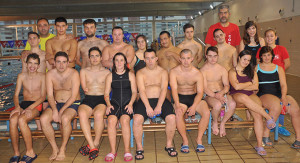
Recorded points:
(232, 34)
(280, 55)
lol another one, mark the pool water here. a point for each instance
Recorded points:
(9, 70)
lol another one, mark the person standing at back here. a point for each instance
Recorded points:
(231, 30)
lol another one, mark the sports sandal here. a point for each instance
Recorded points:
(14, 159)
(296, 144)
(200, 148)
(110, 157)
(170, 151)
(93, 153)
(128, 155)
(270, 123)
(28, 159)
(261, 151)
(184, 149)
(139, 153)
(267, 141)
(84, 150)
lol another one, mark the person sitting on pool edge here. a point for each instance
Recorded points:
(34, 93)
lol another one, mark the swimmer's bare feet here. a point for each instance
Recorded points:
(222, 130)
(215, 128)
(53, 155)
(61, 155)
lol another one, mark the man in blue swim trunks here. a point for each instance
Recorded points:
(62, 85)
(187, 90)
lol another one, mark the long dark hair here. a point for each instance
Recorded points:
(125, 64)
(246, 37)
(144, 38)
(249, 70)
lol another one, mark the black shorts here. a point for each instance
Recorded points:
(118, 109)
(25, 104)
(188, 100)
(93, 100)
(166, 109)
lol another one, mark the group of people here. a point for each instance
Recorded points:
(125, 84)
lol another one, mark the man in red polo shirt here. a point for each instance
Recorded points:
(231, 30)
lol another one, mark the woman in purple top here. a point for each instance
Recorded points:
(243, 82)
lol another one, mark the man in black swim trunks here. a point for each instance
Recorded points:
(62, 85)
(92, 82)
(34, 93)
(152, 82)
(187, 90)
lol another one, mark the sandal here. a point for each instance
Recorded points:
(14, 159)
(128, 155)
(267, 141)
(84, 150)
(296, 144)
(28, 159)
(261, 151)
(200, 148)
(184, 149)
(110, 157)
(139, 153)
(271, 123)
(93, 153)
(170, 151)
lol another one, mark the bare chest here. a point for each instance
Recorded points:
(185, 80)
(62, 83)
(61, 45)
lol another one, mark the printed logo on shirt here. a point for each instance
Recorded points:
(229, 39)
(277, 57)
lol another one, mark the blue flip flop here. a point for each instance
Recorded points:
(14, 159)
(200, 148)
(28, 159)
(184, 147)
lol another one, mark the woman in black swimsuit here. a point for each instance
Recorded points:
(273, 94)
(138, 61)
(251, 41)
(121, 82)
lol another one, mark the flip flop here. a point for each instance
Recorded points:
(200, 148)
(14, 159)
(259, 151)
(110, 157)
(84, 150)
(296, 144)
(93, 153)
(270, 123)
(139, 153)
(267, 141)
(170, 151)
(28, 159)
(184, 148)
(128, 155)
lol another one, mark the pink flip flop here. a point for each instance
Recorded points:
(128, 155)
(110, 157)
